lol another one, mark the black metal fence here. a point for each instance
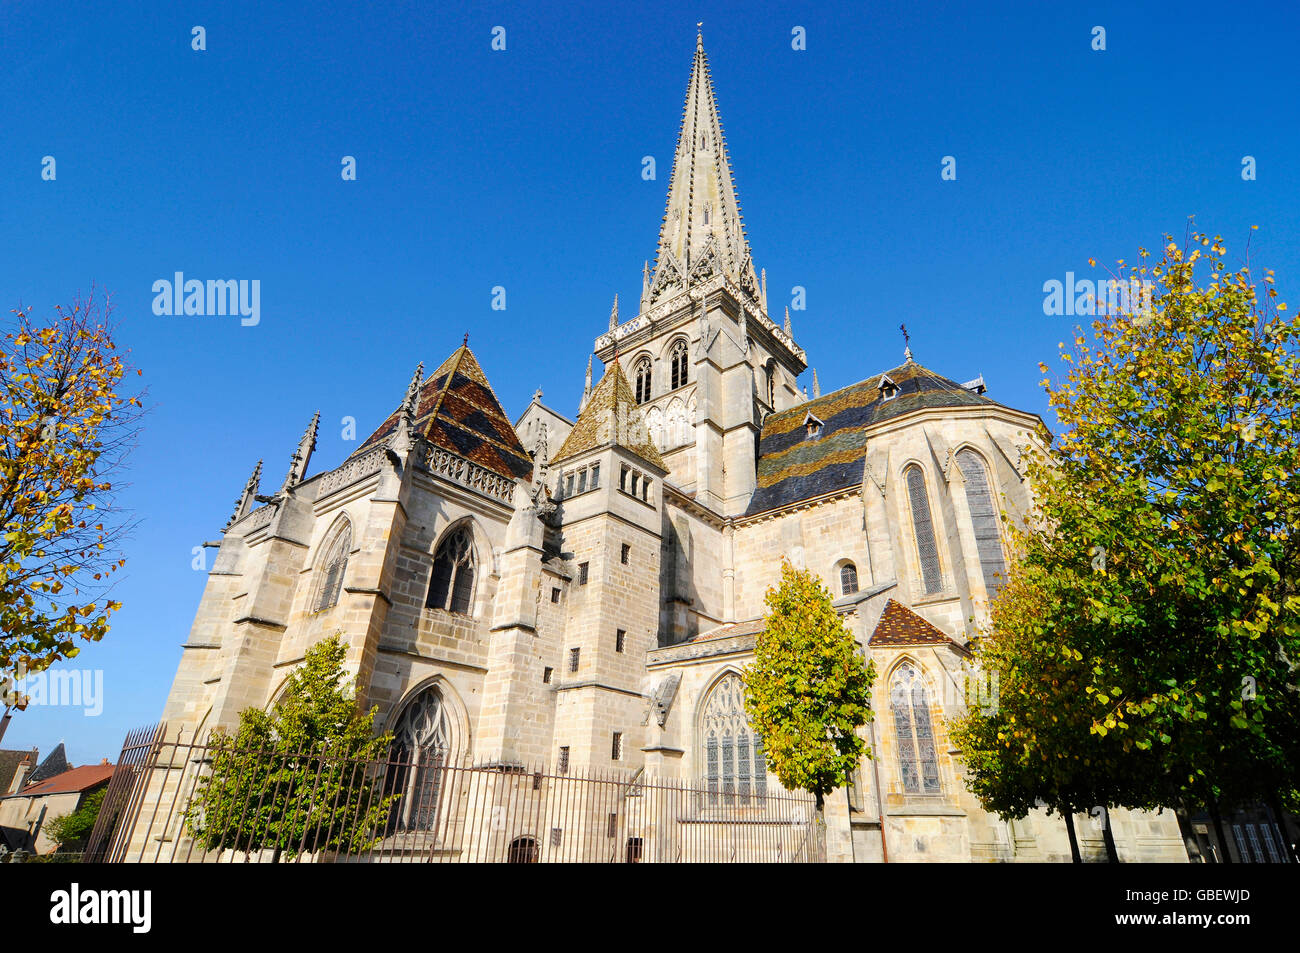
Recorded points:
(210, 801)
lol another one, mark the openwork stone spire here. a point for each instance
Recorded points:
(403, 438)
(586, 389)
(702, 234)
(613, 315)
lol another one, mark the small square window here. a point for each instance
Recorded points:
(626, 554)
(622, 479)
(611, 829)
(582, 482)
(573, 659)
(546, 675)
(557, 835)
(564, 759)
(555, 594)
(582, 573)
(595, 475)
(568, 485)
(636, 479)
(620, 641)
(616, 748)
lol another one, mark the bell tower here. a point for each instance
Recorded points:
(705, 361)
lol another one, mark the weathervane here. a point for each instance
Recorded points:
(907, 342)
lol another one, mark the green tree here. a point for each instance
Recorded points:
(70, 831)
(1148, 649)
(66, 425)
(808, 690)
(299, 778)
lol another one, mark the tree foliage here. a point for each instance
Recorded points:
(299, 778)
(1148, 644)
(70, 831)
(65, 426)
(808, 690)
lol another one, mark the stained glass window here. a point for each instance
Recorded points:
(421, 741)
(735, 772)
(848, 579)
(984, 519)
(330, 575)
(923, 526)
(918, 761)
(452, 585)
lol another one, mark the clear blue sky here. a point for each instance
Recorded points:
(522, 169)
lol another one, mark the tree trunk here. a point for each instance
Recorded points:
(819, 832)
(1075, 857)
(1217, 817)
(1108, 837)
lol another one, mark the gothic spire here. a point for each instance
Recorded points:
(244, 505)
(702, 217)
(817, 387)
(789, 333)
(402, 437)
(301, 456)
(586, 390)
(613, 314)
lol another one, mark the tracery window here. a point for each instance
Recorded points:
(984, 519)
(918, 761)
(421, 746)
(678, 360)
(452, 584)
(848, 579)
(642, 374)
(734, 766)
(923, 527)
(329, 582)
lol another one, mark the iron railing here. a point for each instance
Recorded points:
(206, 800)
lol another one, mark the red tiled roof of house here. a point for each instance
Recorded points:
(75, 779)
(899, 625)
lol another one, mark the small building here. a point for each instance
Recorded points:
(24, 815)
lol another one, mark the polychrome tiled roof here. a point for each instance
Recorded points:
(794, 466)
(899, 625)
(457, 411)
(593, 429)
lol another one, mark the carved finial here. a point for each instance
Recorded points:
(244, 505)
(788, 332)
(402, 438)
(409, 406)
(301, 456)
(699, 35)
(763, 287)
(907, 343)
(817, 387)
(613, 314)
(465, 343)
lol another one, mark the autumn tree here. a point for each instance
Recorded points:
(66, 423)
(808, 690)
(297, 778)
(1148, 649)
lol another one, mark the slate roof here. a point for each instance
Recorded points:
(793, 466)
(899, 625)
(55, 764)
(592, 430)
(458, 411)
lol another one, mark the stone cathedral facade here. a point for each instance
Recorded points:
(582, 592)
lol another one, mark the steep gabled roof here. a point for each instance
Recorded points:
(793, 466)
(899, 625)
(611, 416)
(56, 763)
(457, 410)
(10, 759)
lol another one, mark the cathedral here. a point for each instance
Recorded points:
(583, 591)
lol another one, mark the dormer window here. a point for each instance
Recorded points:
(888, 389)
(813, 426)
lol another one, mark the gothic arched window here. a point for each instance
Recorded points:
(770, 371)
(452, 584)
(848, 579)
(917, 760)
(642, 374)
(923, 527)
(734, 766)
(421, 747)
(984, 519)
(678, 362)
(329, 576)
